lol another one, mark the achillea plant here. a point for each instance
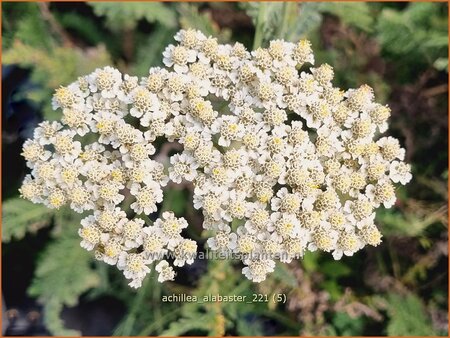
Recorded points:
(282, 162)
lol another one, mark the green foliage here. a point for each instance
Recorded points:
(331, 270)
(292, 21)
(175, 200)
(214, 318)
(64, 272)
(191, 322)
(53, 68)
(419, 33)
(408, 224)
(190, 17)
(24, 24)
(250, 328)
(287, 20)
(285, 275)
(307, 20)
(356, 14)
(83, 27)
(407, 317)
(149, 53)
(345, 325)
(335, 269)
(441, 64)
(310, 261)
(173, 319)
(388, 46)
(21, 216)
(125, 15)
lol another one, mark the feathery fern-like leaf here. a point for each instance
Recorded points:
(63, 273)
(21, 216)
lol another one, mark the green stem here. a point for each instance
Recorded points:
(285, 320)
(146, 219)
(282, 26)
(157, 291)
(126, 328)
(288, 9)
(154, 326)
(259, 29)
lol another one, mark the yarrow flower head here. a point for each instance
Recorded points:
(281, 160)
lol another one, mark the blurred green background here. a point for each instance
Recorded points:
(53, 286)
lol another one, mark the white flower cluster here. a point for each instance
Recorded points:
(281, 161)
(98, 159)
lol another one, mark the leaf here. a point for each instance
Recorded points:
(333, 288)
(267, 17)
(303, 24)
(175, 200)
(436, 39)
(396, 223)
(441, 64)
(33, 30)
(53, 68)
(21, 216)
(58, 66)
(283, 273)
(346, 325)
(421, 12)
(63, 273)
(23, 21)
(52, 318)
(407, 317)
(335, 269)
(436, 185)
(355, 14)
(84, 27)
(150, 51)
(190, 17)
(185, 325)
(214, 318)
(284, 20)
(310, 261)
(419, 33)
(125, 15)
(392, 29)
(249, 327)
